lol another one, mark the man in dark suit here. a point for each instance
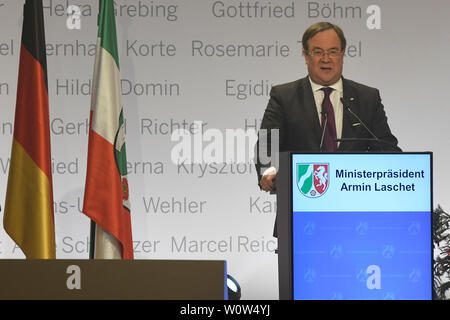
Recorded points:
(309, 113)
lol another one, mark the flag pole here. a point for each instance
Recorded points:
(92, 240)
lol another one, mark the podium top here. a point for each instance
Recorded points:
(112, 279)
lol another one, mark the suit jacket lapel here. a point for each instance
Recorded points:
(310, 109)
(348, 128)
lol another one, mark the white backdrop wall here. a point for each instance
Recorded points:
(175, 71)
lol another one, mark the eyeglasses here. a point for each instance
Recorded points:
(332, 53)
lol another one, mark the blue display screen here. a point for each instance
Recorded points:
(361, 226)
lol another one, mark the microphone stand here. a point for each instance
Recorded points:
(374, 137)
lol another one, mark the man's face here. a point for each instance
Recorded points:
(324, 69)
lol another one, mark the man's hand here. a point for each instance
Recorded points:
(267, 181)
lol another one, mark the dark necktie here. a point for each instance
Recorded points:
(330, 131)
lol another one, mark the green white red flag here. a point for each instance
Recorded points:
(106, 196)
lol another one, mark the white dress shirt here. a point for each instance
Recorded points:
(335, 98)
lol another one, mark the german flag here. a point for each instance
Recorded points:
(28, 216)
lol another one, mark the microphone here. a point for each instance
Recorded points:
(324, 113)
(346, 106)
(374, 138)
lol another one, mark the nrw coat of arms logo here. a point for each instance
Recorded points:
(121, 160)
(312, 179)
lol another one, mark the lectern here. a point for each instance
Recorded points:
(355, 226)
